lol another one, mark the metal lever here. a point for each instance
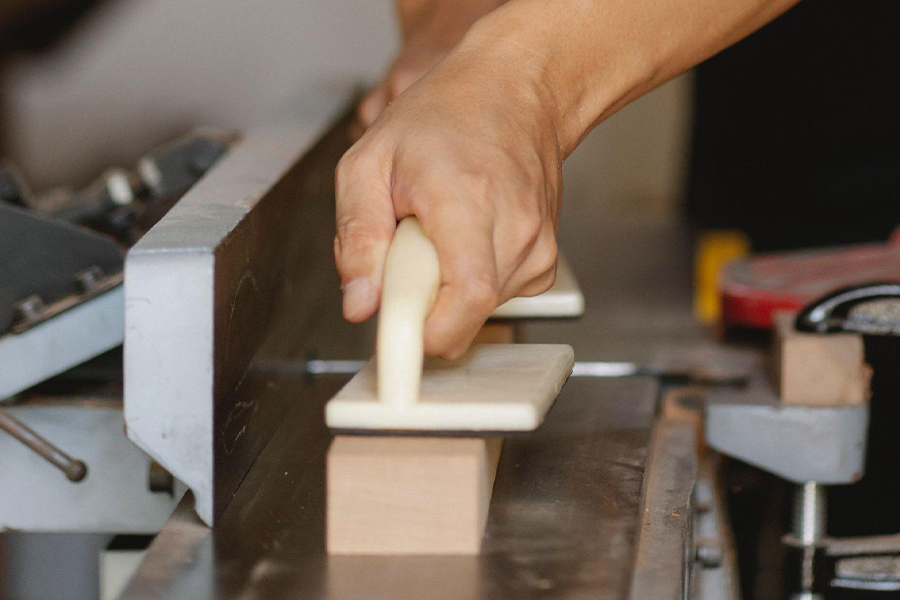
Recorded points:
(74, 469)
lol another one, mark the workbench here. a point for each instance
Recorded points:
(596, 504)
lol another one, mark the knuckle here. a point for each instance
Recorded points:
(481, 293)
(547, 253)
(529, 226)
(351, 228)
(357, 235)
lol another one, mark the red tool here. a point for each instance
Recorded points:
(754, 288)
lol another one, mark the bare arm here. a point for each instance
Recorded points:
(429, 30)
(475, 147)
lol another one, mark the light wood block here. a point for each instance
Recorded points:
(496, 332)
(409, 495)
(818, 370)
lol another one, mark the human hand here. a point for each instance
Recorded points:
(472, 151)
(414, 60)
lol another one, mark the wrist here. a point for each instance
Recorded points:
(440, 22)
(578, 78)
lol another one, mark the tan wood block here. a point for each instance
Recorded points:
(813, 369)
(501, 332)
(409, 495)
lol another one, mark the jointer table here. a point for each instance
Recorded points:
(596, 504)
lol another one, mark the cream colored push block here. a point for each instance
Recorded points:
(813, 369)
(564, 300)
(392, 494)
(409, 495)
(492, 388)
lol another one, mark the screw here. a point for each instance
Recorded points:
(29, 309)
(809, 513)
(89, 279)
(808, 518)
(709, 554)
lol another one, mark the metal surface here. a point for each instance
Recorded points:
(74, 469)
(799, 443)
(694, 376)
(114, 497)
(809, 513)
(56, 345)
(715, 575)
(665, 543)
(204, 290)
(41, 257)
(873, 544)
(808, 527)
(563, 517)
(872, 309)
(872, 573)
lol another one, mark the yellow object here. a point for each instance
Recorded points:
(715, 248)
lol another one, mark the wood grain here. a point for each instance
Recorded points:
(818, 370)
(409, 495)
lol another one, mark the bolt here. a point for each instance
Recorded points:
(809, 513)
(29, 309)
(709, 554)
(89, 279)
(118, 186)
(809, 528)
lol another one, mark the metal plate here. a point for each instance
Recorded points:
(229, 276)
(113, 498)
(563, 517)
(60, 343)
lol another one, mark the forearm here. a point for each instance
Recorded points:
(588, 58)
(440, 21)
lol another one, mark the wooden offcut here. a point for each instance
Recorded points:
(818, 370)
(409, 495)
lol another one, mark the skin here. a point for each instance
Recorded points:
(469, 134)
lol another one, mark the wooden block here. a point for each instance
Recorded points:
(494, 332)
(409, 495)
(818, 370)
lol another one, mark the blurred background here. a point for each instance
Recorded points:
(92, 83)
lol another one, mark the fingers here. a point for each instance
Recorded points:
(372, 105)
(365, 225)
(536, 272)
(469, 290)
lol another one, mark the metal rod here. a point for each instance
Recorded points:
(808, 516)
(601, 369)
(73, 468)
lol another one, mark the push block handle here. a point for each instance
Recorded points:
(412, 277)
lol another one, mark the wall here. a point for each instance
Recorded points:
(137, 73)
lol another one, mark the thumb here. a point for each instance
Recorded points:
(365, 225)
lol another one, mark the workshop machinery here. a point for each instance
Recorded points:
(229, 364)
(234, 341)
(620, 493)
(62, 315)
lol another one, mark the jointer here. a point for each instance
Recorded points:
(602, 501)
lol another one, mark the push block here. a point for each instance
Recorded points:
(409, 495)
(813, 369)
